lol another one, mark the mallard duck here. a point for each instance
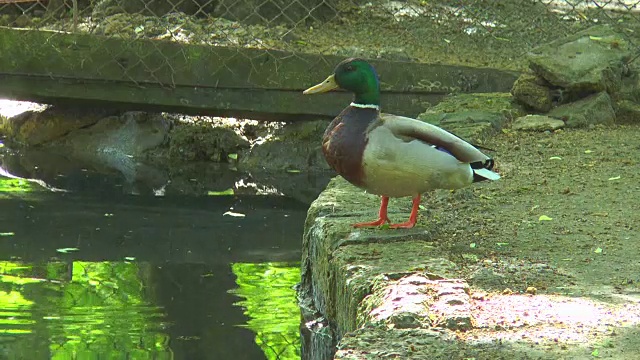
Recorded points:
(390, 155)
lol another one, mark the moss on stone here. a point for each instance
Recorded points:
(501, 103)
(296, 146)
(203, 143)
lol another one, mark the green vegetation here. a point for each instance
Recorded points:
(270, 303)
(10, 185)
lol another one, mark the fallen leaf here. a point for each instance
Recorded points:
(7, 234)
(614, 178)
(293, 171)
(588, 151)
(221, 193)
(234, 214)
(598, 251)
(555, 158)
(129, 258)
(472, 245)
(544, 218)
(233, 156)
(67, 250)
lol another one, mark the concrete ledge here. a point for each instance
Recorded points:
(341, 265)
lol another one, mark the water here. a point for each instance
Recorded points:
(95, 273)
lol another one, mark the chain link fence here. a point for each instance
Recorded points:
(484, 33)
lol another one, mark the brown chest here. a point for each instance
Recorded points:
(343, 146)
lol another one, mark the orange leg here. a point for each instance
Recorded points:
(412, 218)
(382, 215)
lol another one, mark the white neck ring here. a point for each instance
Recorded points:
(365, 106)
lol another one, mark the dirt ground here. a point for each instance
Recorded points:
(480, 33)
(565, 220)
(549, 252)
(585, 181)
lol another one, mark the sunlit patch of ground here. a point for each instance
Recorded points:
(549, 318)
(10, 108)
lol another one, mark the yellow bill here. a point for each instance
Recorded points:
(327, 85)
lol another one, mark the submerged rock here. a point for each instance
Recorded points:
(130, 134)
(118, 142)
(537, 123)
(590, 61)
(40, 127)
(592, 110)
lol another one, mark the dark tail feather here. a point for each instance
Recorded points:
(482, 170)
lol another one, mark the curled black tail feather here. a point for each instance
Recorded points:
(486, 164)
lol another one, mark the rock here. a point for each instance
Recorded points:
(118, 142)
(130, 134)
(5, 20)
(39, 127)
(537, 123)
(350, 289)
(630, 88)
(530, 90)
(473, 116)
(297, 146)
(595, 109)
(405, 320)
(590, 61)
(469, 125)
(23, 21)
(500, 103)
(204, 143)
(627, 112)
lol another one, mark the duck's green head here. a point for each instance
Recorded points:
(355, 75)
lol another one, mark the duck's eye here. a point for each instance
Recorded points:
(349, 68)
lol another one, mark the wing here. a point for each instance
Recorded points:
(406, 127)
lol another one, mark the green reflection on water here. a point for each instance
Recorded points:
(79, 310)
(15, 185)
(103, 306)
(271, 305)
(12, 319)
